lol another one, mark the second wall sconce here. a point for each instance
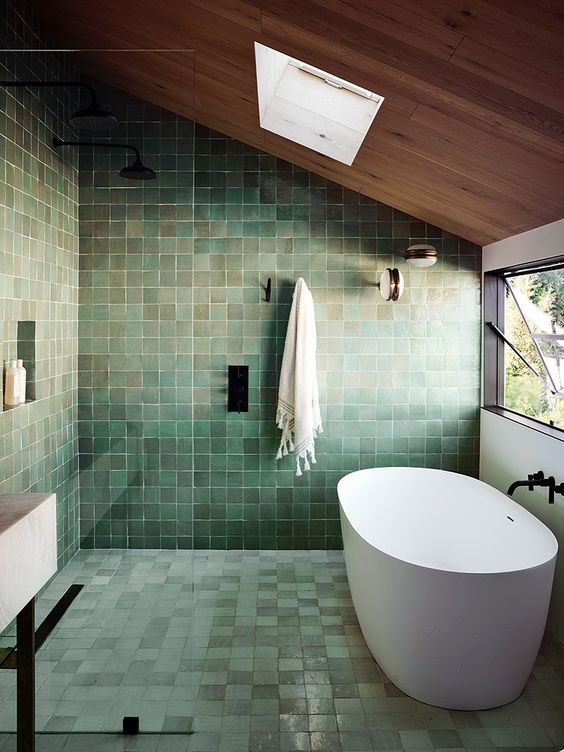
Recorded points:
(421, 255)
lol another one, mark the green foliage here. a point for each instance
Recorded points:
(547, 291)
(524, 392)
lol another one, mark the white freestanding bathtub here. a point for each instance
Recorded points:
(450, 580)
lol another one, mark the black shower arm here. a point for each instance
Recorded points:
(58, 142)
(50, 83)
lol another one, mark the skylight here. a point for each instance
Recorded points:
(311, 107)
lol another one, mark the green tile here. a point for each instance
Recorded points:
(388, 381)
(39, 282)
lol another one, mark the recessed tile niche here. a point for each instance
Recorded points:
(18, 341)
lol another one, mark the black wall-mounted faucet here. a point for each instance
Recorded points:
(537, 480)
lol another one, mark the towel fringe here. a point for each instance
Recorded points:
(285, 421)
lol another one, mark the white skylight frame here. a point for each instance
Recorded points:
(312, 107)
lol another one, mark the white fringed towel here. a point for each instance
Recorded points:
(298, 413)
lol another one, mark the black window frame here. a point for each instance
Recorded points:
(494, 346)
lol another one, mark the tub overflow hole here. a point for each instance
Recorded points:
(510, 518)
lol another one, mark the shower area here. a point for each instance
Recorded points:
(98, 202)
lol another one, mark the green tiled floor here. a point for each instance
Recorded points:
(272, 658)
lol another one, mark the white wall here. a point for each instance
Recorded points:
(534, 245)
(510, 451)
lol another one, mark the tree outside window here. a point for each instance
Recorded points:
(534, 324)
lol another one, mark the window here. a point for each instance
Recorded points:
(312, 107)
(524, 341)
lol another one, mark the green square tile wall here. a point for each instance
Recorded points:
(39, 274)
(172, 277)
(135, 332)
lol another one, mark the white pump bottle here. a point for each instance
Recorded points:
(22, 376)
(11, 385)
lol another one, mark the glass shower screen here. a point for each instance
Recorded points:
(103, 242)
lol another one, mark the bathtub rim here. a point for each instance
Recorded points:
(464, 572)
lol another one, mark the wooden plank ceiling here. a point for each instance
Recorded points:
(470, 136)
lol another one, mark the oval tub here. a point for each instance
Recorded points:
(450, 580)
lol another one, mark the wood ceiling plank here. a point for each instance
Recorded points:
(236, 11)
(509, 73)
(181, 27)
(548, 14)
(538, 47)
(398, 23)
(114, 25)
(492, 162)
(466, 194)
(220, 101)
(209, 31)
(512, 163)
(496, 127)
(429, 79)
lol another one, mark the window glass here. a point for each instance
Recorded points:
(534, 324)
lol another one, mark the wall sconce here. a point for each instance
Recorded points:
(421, 255)
(391, 284)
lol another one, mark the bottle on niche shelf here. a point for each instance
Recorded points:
(11, 384)
(22, 376)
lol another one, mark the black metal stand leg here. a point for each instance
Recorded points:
(25, 627)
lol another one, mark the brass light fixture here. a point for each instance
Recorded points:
(391, 284)
(421, 255)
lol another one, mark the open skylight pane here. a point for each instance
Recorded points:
(312, 107)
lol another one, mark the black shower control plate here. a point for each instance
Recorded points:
(131, 724)
(238, 389)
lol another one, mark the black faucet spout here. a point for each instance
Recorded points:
(537, 480)
(515, 485)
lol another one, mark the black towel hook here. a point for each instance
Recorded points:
(268, 290)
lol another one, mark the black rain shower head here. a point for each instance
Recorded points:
(92, 117)
(135, 171)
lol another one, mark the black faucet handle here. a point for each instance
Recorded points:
(533, 477)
